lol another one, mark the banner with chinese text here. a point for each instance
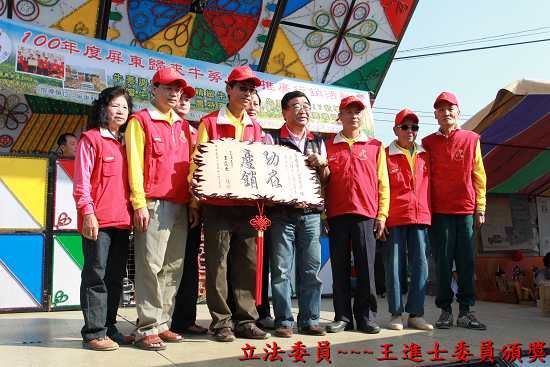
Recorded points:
(65, 66)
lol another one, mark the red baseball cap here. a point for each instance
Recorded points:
(447, 97)
(189, 91)
(168, 76)
(349, 100)
(405, 114)
(242, 73)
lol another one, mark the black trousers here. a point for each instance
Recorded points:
(185, 306)
(101, 285)
(357, 230)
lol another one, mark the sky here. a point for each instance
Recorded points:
(475, 77)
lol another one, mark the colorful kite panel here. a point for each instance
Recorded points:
(68, 261)
(75, 16)
(216, 31)
(65, 208)
(23, 192)
(21, 271)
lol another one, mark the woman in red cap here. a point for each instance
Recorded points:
(101, 192)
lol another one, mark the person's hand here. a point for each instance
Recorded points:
(141, 219)
(194, 217)
(316, 161)
(379, 227)
(479, 220)
(90, 227)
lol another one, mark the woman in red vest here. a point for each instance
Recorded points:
(101, 192)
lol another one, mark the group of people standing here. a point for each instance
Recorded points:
(135, 171)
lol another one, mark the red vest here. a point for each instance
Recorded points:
(353, 183)
(451, 168)
(409, 194)
(110, 189)
(251, 132)
(166, 158)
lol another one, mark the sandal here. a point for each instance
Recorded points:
(150, 342)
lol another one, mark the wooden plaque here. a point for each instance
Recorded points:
(241, 170)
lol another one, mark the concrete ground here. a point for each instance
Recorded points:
(53, 339)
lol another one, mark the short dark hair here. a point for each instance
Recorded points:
(62, 140)
(291, 95)
(257, 95)
(546, 260)
(98, 112)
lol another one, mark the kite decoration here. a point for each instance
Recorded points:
(349, 43)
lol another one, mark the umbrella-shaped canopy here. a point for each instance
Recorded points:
(515, 139)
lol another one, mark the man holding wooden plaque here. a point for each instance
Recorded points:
(296, 228)
(226, 220)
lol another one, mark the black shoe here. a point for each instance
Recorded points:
(445, 320)
(469, 321)
(251, 331)
(224, 334)
(338, 326)
(314, 330)
(370, 328)
(122, 339)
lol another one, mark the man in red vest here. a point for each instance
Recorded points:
(357, 201)
(408, 220)
(458, 187)
(158, 144)
(227, 231)
(185, 309)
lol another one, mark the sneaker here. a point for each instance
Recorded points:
(266, 323)
(396, 323)
(469, 321)
(445, 320)
(283, 332)
(100, 344)
(224, 334)
(419, 323)
(251, 331)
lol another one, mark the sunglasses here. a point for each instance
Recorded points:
(407, 127)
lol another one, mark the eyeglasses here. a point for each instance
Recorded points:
(301, 107)
(407, 127)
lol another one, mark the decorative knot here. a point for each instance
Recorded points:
(260, 222)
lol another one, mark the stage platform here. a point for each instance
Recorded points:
(53, 339)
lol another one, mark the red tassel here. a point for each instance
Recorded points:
(260, 223)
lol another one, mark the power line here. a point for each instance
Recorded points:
(418, 114)
(416, 111)
(470, 49)
(481, 39)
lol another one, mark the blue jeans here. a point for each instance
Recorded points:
(407, 246)
(294, 234)
(101, 285)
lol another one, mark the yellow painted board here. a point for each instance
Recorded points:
(27, 179)
(284, 60)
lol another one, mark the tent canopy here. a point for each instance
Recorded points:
(515, 139)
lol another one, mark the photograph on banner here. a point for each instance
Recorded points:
(229, 168)
(133, 68)
(38, 62)
(84, 78)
